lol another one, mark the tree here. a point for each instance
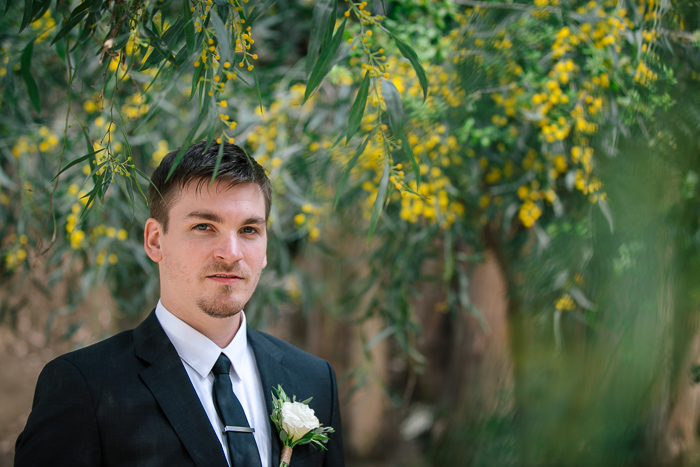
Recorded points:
(506, 127)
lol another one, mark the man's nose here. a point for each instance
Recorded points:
(229, 248)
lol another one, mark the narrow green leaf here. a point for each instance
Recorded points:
(118, 42)
(76, 161)
(222, 8)
(330, 24)
(27, 16)
(138, 184)
(605, 209)
(91, 198)
(61, 53)
(348, 168)
(219, 156)
(380, 336)
(181, 56)
(39, 8)
(319, 30)
(130, 177)
(206, 101)
(130, 191)
(96, 169)
(148, 179)
(449, 255)
(173, 34)
(75, 18)
(189, 26)
(32, 88)
(259, 9)
(408, 52)
(160, 50)
(394, 106)
(10, 84)
(258, 92)
(408, 151)
(211, 128)
(322, 66)
(379, 200)
(222, 36)
(8, 4)
(195, 80)
(358, 108)
(186, 143)
(88, 26)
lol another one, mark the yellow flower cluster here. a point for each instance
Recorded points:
(565, 303)
(4, 61)
(375, 59)
(107, 150)
(272, 132)
(268, 141)
(643, 75)
(211, 68)
(77, 236)
(160, 152)
(529, 212)
(17, 252)
(309, 220)
(45, 25)
(435, 150)
(94, 104)
(135, 106)
(116, 65)
(567, 106)
(48, 140)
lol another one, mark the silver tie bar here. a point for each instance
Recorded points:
(239, 429)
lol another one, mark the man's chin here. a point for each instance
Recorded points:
(220, 308)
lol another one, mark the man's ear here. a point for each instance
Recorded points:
(264, 261)
(152, 234)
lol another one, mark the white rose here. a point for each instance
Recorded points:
(298, 419)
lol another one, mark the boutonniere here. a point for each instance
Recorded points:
(296, 424)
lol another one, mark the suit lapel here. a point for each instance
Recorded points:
(269, 360)
(169, 383)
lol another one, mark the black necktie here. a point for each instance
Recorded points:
(241, 443)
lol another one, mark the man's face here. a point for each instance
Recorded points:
(212, 255)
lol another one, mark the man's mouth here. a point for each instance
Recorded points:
(225, 278)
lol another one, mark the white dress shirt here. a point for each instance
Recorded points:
(198, 354)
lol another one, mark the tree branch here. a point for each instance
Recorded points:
(505, 6)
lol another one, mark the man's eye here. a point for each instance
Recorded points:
(201, 227)
(249, 230)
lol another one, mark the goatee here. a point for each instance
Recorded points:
(222, 307)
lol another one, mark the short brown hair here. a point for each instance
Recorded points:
(199, 165)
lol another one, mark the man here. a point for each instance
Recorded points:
(150, 397)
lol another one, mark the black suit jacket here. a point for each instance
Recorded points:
(128, 401)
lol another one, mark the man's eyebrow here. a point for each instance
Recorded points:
(254, 221)
(212, 217)
(205, 215)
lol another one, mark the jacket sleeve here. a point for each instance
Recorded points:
(62, 426)
(335, 457)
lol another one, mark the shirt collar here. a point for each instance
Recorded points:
(197, 350)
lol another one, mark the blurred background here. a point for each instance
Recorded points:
(485, 215)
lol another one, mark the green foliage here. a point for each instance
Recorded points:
(560, 134)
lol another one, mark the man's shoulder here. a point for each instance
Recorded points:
(284, 350)
(112, 351)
